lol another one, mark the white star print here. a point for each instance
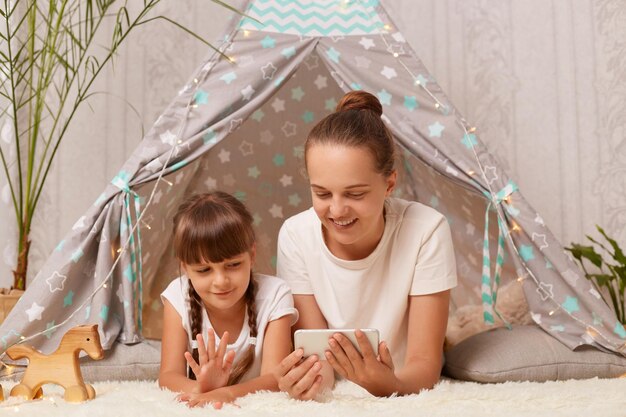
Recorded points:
(320, 82)
(224, 156)
(34, 312)
(211, 183)
(389, 72)
(247, 92)
(276, 211)
(490, 174)
(367, 43)
(79, 224)
(278, 105)
(289, 129)
(286, 180)
(168, 138)
(56, 281)
(268, 71)
(540, 240)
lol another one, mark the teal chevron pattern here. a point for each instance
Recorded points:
(314, 18)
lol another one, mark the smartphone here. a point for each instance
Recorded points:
(315, 341)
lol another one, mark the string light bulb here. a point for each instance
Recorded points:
(551, 313)
(395, 54)
(472, 129)
(437, 105)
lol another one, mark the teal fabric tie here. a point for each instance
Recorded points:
(135, 272)
(489, 286)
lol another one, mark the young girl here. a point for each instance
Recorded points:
(359, 258)
(218, 295)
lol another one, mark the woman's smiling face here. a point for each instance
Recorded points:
(348, 196)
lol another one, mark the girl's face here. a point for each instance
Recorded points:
(221, 285)
(348, 197)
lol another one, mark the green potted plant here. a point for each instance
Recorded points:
(49, 60)
(609, 274)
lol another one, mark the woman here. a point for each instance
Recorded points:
(360, 258)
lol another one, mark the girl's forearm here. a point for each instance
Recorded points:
(177, 382)
(265, 382)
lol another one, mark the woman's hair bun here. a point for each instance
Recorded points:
(360, 100)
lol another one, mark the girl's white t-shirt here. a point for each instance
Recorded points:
(415, 256)
(273, 301)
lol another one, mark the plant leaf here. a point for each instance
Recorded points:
(588, 252)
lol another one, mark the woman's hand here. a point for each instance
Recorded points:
(214, 366)
(216, 398)
(300, 378)
(375, 374)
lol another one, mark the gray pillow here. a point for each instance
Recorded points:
(527, 353)
(136, 362)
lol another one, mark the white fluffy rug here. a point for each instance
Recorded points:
(593, 397)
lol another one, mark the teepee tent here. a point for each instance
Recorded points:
(239, 125)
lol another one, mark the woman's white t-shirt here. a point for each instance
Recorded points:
(415, 256)
(273, 301)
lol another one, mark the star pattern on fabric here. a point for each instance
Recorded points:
(246, 148)
(311, 62)
(68, 300)
(157, 196)
(389, 72)
(80, 224)
(595, 293)
(333, 54)
(254, 172)
(268, 42)
(536, 317)
(247, 92)
(34, 312)
(294, 200)
(410, 103)
(571, 277)
(201, 97)
(209, 138)
(308, 116)
(276, 211)
(49, 329)
(571, 304)
(76, 255)
(320, 82)
(539, 220)
(104, 312)
(490, 174)
(288, 52)
(278, 105)
(470, 229)
(278, 160)
(619, 330)
(527, 253)
(258, 115)
(362, 62)
(289, 129)
(235, 124)
(557, 328)
(224, 156)
(297, 93)
(545, 291)
(435, 129)
(256, 219)
(330, 104)
(268, 71)
(168, 138)
(56, 282)
(395, 49)
(286, 180)
(298, 151)
(384, 97)
(367, 43)
(229, 77)
(210, 183)
(266, 137)
(469, 140)
(540, 240)
(421, 80)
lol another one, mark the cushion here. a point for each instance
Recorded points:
(139, 361)
(527, 353)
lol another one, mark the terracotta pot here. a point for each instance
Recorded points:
(8, 299)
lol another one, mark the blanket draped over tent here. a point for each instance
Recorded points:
(239, 125)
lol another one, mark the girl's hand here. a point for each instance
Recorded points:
(214, 367)
(373, 373)
(299, 378)
(216, 398)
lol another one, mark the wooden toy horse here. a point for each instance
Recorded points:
(60, 367)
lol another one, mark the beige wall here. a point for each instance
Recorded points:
(544, 82)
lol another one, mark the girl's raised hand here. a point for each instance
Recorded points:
(213, 367)
(374, 373)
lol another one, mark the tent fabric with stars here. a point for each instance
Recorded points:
(239, 125)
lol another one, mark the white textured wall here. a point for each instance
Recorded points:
(544, 81)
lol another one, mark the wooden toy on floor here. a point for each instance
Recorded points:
(61, 367)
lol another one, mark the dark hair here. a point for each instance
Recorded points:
(213, 227)
(357, 122)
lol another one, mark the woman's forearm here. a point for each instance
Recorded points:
(416, 376)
